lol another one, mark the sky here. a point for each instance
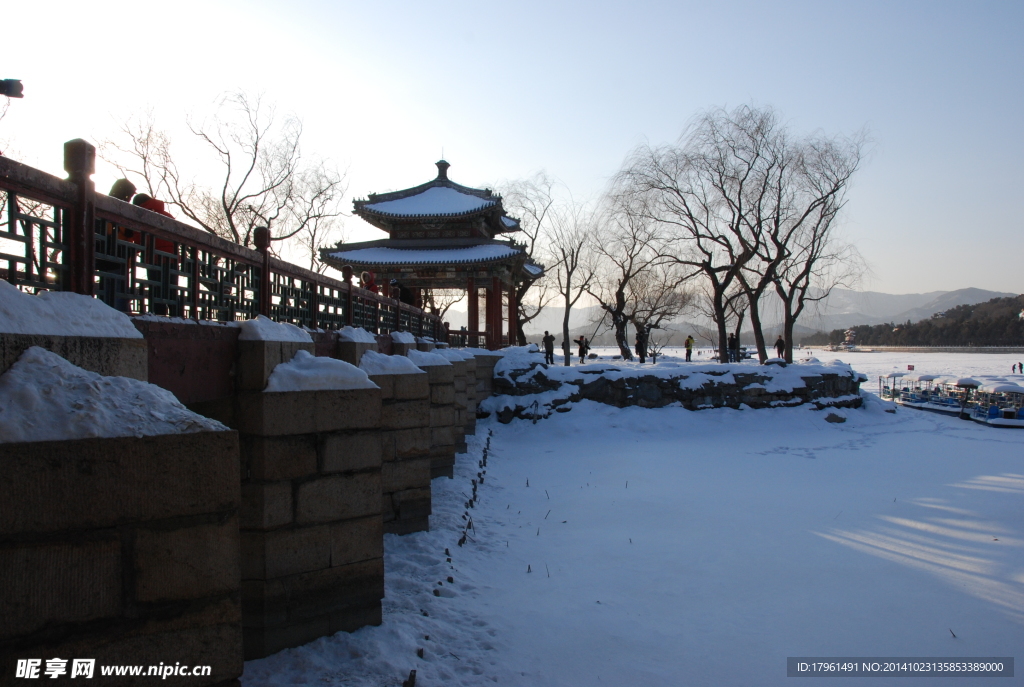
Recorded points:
(508, 89)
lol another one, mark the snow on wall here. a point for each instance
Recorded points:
(423, 359)
(373, 363)
(265, 329)
(453, 353)
(61, 313)
(45, 398)
(403, 338)
(357, 334)
(306, 372)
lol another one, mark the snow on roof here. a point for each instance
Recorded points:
(265, 329)
(383, 255)
(45, 398)
(61, 313)
(403, 337)
(508, 221)
(436, 200)
(357, 334)
(423, 359)
(1004, 388)
(533, 269)
(306, 372)
(374, 363)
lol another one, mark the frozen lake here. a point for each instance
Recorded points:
(669, 547)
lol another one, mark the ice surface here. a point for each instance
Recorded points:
(437, 200)
(357, 334)
(374, 363)
(43, 397)
(306, 372)
(265, 329)
(61, 313)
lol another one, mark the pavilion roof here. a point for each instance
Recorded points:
(387, 255)
(438, 200)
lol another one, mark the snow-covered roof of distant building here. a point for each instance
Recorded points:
(383, 255)
(438, 201)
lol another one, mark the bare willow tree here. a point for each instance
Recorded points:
(572, 263)
(531, 201)
(439, 301)
(264, 179)
(658, 295)
(626, 244)
(737, 192)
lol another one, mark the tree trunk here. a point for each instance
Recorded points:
(739, 326)
(755, 324)
(566, 345)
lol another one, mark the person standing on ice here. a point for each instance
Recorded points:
(780, 347)
(730, 346)
(549, 348)
(689, 347)
(582, 343)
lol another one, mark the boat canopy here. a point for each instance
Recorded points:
(1001, 388)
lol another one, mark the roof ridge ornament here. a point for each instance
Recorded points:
(442, 170)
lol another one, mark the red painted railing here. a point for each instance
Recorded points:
(61, 235)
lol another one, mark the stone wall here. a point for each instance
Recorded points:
(442, 419)
(465, 398)
(124, 550)
(406, 452)
(485, 363)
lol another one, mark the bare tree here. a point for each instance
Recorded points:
(571, 259)
(736, 192)
(264, 181)
(438, 301)
(659, 297)
(627, 247)
(531, 201)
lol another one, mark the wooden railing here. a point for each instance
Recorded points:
(61, 235)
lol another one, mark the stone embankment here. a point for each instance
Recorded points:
(526, 388)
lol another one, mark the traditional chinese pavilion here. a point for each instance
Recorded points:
(442, 235)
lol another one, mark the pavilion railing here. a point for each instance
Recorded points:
(61, 235)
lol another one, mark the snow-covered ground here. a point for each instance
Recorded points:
(669, 547)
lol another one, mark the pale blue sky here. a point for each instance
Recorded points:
(507, 89)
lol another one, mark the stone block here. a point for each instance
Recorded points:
(410, 386)
(271, 555)
(356, 540)
(53, 486)
(398, 348)
(350, 451)
(386, 384)
(441, 436)
(257, 360)
(405, 474)
(306, 412)
(265, 505)
(279, 458)
(323, 591)
(442, 394)
(439, 374)
(412, 442)
(188, 563)
(351, 619)
(352, 351)
(425, 346)
(259, 641)
(338, 497)
(442, 416)
(412, 503)
(405, 414)
(442, 462)
(57, 583)
(107, 356)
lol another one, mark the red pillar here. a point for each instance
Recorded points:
(496, 312)
(474, 310)
(489, 318)
(513, 307)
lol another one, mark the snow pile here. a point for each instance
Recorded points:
(424, 359)
(61, 313)
(45, 398)
(357, 334)
(306, 372)
(403, 337)
(150, 317)
(518, 358)
(373, 363)
(265, 329)
(455, 354)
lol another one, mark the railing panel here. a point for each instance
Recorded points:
(147, 263)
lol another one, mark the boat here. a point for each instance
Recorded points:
(988, 400)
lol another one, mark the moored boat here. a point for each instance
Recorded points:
(988, 400)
